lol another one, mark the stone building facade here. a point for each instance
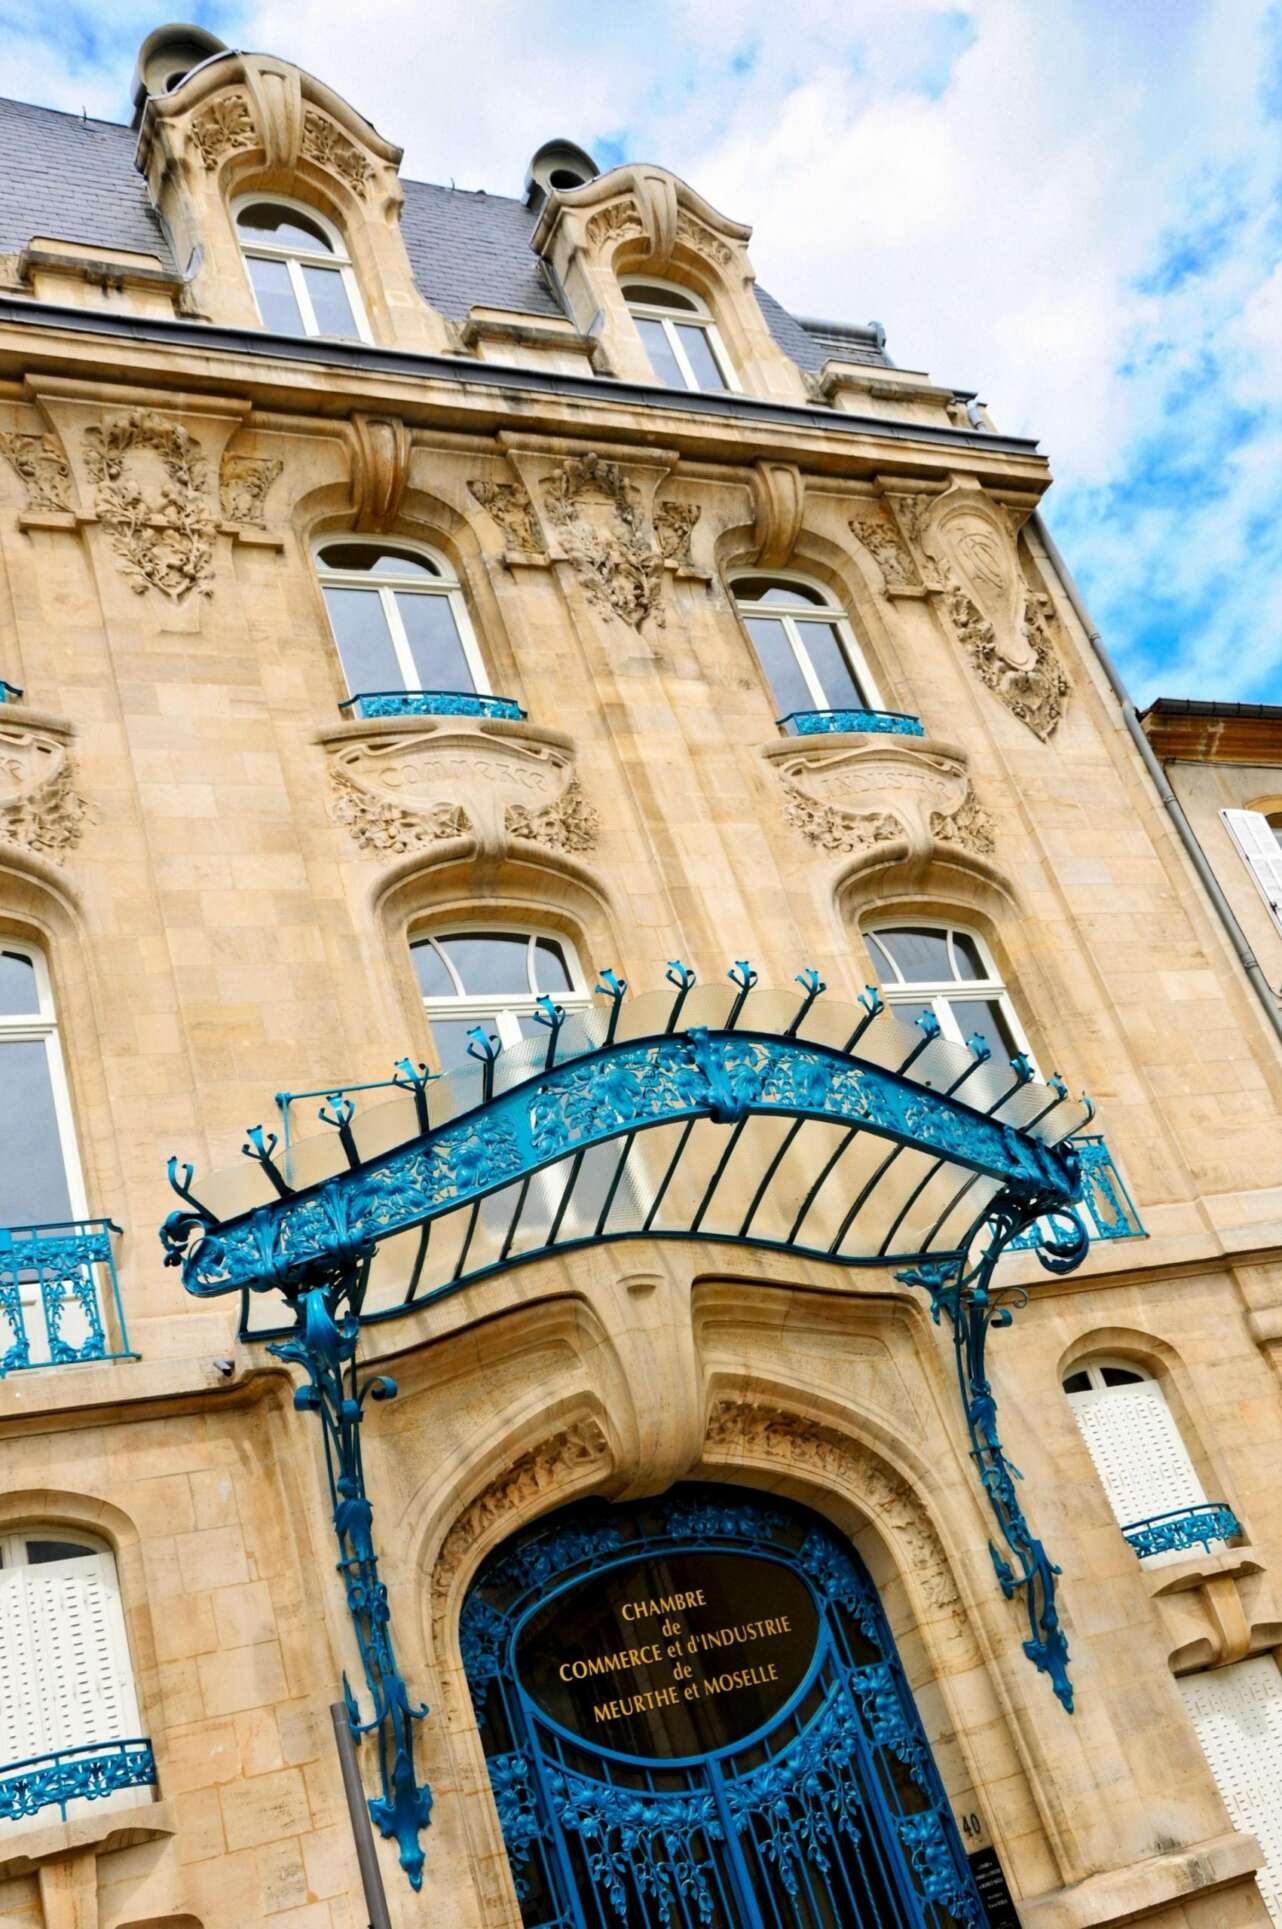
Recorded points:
(401, 591)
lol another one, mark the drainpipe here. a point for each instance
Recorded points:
(1170, 802)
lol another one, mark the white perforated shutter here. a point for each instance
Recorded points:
(1237, 1715)
(1253, 834)
(22, 1729)
(1138, 1453)
(83, 1679)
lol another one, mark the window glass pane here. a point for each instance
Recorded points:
(376, 562)
(985, 1016)
(451, 1039)
(59, 1551)
(763, 589)
(662, 360)
(286, 227)
(656, 297)
(908, 1014)
(490, 961)
(275, 296)
(782, 671)
(33, 1178)
(435, 643)
(1120, 1376)
(551, 972)
(434, 980)
(966, 957)
(922, 955)
(880, 957)
(364, 640)
(702, 360)
(829, 659)
(1078, 1383)
(18, 993)
(329, 299)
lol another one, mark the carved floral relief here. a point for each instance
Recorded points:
(223, 127)
(511, 508)
(152, 481)
(892, 557)
(600, 525)
(41, 466)
(243, 485)
(674, 524)
(855, 797)
(619, 218)
(40, 807)
(330, 148)
(569, 824)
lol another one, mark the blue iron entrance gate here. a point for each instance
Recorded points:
(695, 1717)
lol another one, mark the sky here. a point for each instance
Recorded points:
(1071, 206)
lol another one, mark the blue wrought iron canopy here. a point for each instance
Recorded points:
(726, 1112)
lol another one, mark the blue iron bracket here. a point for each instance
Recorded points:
(324, 1345)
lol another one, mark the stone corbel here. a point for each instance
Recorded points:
(1217, 1609)
(857, 792)
(276, 91)
(779, 507)
(380, 466)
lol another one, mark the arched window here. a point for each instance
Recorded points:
(300, 272)
(491, 978)
(399, 619)
(680, 336)
(940, 968)
(39, 1171)
(67, 1695)
(1132, 1437)
(805, 644)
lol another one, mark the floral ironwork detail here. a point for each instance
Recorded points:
(618, 564)
(797, 1805)
(83, 1774)
(568, 823)
(243, 485)
(1181, 1529)
(63, 1259)
(163, 542)
(642, 1845)
(432, 703)
(517, 1813)
(933, 1865)
(821, 723)
(1106, 1206)
(223, 127)
(385, 828)
(324, 144)
(41, 467)
(510, 506)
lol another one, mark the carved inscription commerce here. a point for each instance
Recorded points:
(741, 1429)
(153, 496)
(603, 532)
(40, 807)
(854, 798)
(42, 468)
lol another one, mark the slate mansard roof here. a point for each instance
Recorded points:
(74, 180)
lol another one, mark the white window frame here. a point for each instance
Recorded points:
(1098, 1391)
(444, 584)
(794, 617)
(42, 1027)
(294, 257)
(941, 994)
(502, 1018)
(1257, 844)
(698, 316)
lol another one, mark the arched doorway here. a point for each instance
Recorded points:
(695, 1717)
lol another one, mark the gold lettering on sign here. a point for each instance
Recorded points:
(678, 1647)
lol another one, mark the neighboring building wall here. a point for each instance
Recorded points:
(224, 871)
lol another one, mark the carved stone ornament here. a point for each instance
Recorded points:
(702, 240)
(153, 496)
(511, 508)
(603, 532)
(225, 126)
(892, 557)
(40, 807)
(41, 466)
(673, 527)
(853, 797)
(620, 218)
(548, 1469)
(243, 484)
(330, 148)
(741, 1429)
(401, 793)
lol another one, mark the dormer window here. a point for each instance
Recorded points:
(300, 272)
(680, 336)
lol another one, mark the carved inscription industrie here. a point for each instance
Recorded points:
(152, 481)
(601, 528)
(41, 466)
(41, 809)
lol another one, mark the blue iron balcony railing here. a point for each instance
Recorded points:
(432, 703)
(822, 723)
(9, 692)
(67, 1775)
(1105, 1208)
(56, 1284)
(1182, 1528)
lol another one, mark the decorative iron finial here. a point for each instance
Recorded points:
(612, 988)
(341, 1119)
(260, 1149)
(551, 1016)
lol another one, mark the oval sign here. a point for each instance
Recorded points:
(680, 1654)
